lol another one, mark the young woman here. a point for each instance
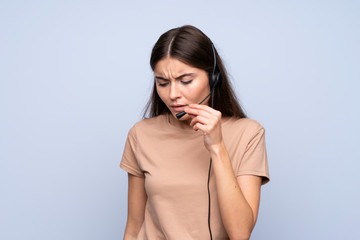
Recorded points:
(195, 176)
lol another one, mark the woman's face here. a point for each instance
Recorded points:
(179, 84)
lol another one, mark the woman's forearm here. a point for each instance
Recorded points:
(236, 213)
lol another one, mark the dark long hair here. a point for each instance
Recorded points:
(191, 46)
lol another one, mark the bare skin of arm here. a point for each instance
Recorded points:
(136, 206)
(238, 197)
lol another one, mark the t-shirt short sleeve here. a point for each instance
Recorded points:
(129, 160)
(254, 160)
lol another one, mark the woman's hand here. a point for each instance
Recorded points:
(208, 121)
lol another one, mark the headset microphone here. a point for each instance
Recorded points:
(181, 114)
(214, 79)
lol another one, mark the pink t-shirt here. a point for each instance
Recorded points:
(175, 164)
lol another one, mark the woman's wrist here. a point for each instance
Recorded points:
(217, 151)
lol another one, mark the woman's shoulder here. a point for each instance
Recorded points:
(245, 123)
(242, 126)
(241, 131)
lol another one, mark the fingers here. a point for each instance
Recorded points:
(200, 108)
(203, 110)
(197, 112)
(208, 121)
(199, 119)
(205, 128)
(205, 118)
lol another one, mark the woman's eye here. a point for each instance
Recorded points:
(186, 82)
(163, 84)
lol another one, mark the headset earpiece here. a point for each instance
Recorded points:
(214, 79)
(215, 76)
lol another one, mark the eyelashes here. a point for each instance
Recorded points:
(166, 83)
(162, 84)
(186, 82)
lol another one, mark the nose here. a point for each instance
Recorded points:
(174, 91)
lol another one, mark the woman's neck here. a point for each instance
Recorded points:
(181, 124)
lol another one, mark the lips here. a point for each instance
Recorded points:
(178, 107)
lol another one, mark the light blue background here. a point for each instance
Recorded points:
(74, 77)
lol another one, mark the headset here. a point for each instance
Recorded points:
(215, 78)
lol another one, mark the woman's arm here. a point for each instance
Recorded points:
(136, 206)
(238, 197)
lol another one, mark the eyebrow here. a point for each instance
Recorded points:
(177, 78)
